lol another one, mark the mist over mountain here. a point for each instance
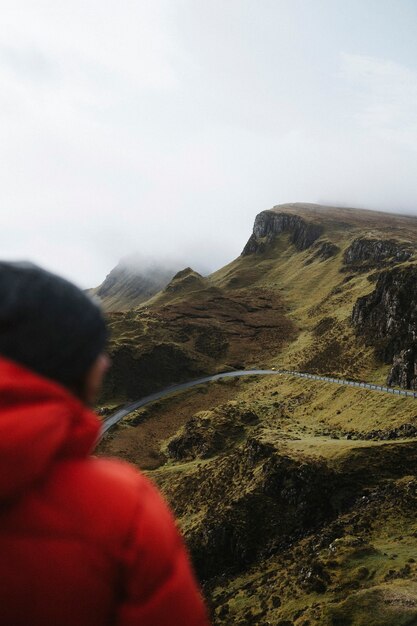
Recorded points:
(354, 243)
(133, 281)
(136, 278)
(153, 137)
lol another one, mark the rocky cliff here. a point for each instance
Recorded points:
(364, 253)
(269, 224)
(387, 318)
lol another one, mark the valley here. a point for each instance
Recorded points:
(296, 497)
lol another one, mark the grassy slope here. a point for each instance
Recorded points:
(260, 310)
(314, 290)
(349, 552)
(306, 508)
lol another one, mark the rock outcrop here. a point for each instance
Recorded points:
(387, 318)
(263, 499)
(322, 251)
(326, 250)
(269, 224)
(209, 432)
(364, 253)
(404, 369)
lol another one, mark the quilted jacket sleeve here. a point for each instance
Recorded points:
(159, 588)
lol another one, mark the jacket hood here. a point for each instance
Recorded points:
(40, 423)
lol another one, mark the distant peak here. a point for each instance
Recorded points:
(129, 285)
(184, 280)
(188, 271)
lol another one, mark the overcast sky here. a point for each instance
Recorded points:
(164, 126)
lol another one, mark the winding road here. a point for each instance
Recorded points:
(114, 418)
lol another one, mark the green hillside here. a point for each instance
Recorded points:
(283, 303)
(297, 498)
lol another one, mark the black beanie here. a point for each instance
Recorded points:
(47, 324)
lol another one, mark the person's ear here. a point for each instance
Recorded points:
(94, 378)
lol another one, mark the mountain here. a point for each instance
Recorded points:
(130, 284)
(300, 296)
(296, 497)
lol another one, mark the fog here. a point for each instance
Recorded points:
(162, 127)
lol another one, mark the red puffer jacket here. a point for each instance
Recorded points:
(83, 541)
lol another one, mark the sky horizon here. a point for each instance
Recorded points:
(161, 128)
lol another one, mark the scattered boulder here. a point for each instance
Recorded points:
(405, 431)
(314, 578)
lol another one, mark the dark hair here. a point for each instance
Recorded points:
(48, 324)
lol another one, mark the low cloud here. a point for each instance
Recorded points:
(163, 128)
(385, 96)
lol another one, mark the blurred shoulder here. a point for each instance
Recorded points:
(104, 496)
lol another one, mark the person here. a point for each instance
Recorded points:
(84, 541)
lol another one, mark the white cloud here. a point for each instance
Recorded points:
(385, 94)
(93, 39)
(163, 127)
